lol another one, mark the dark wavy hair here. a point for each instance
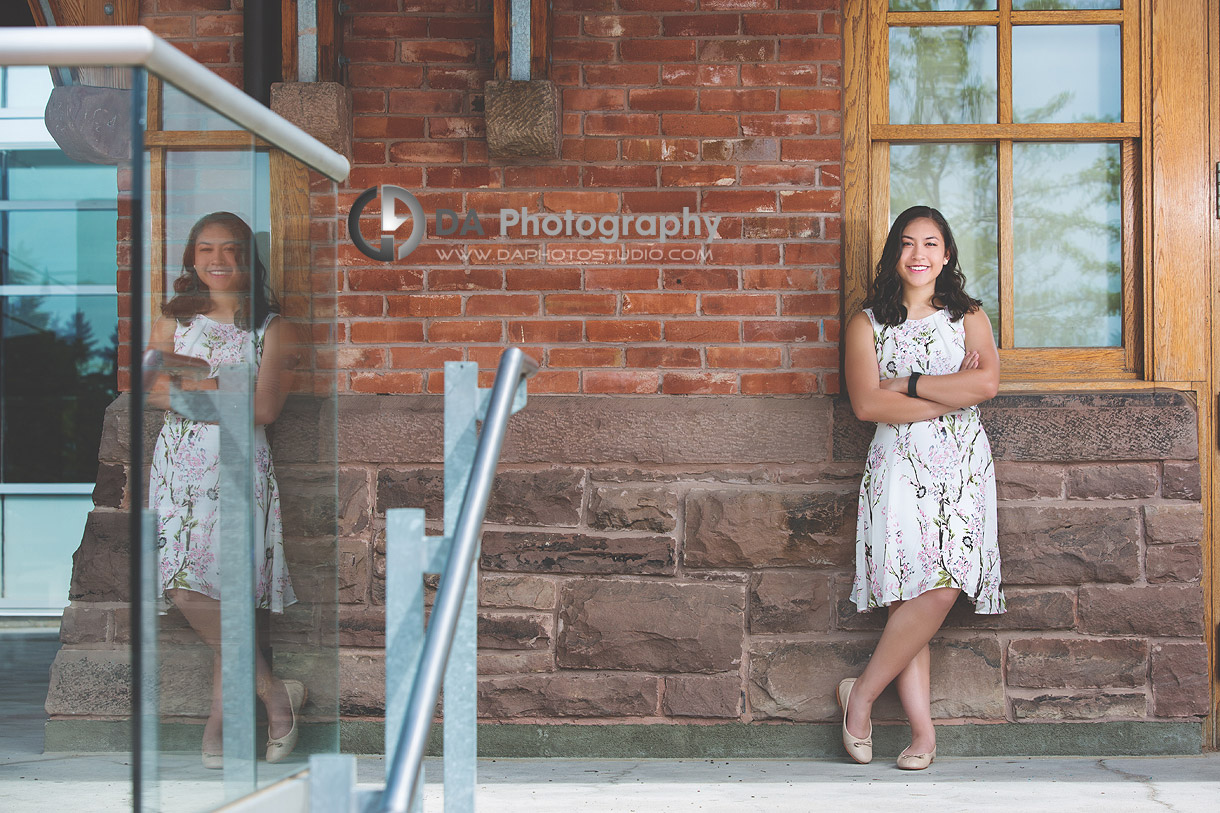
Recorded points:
(885, 294)
(192, 297)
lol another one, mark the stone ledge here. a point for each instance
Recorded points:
(1067, 427)
(715, 741)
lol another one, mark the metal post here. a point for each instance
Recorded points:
(519, 45)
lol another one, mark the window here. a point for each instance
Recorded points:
(1021, 121)
(58, 343)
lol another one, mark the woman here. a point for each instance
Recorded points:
(222, 313)
(919, 359)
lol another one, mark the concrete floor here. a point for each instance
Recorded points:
(33, 781)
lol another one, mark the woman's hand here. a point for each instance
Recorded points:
(970, 362)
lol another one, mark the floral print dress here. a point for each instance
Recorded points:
(184, 484)
(927, 510)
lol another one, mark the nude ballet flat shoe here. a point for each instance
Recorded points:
(213, 762)
(916, 762)
(278, 748)
(861, 750)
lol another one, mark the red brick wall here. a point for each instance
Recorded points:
(725, 107)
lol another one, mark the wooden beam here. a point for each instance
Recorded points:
(856, 236)
(1181, 184)
(500, 39)
(288, 39)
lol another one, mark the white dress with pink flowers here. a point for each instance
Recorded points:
(927, 510)
(184, 484)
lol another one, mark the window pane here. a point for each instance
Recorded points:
(960, 181)
(51, 175)
(181, 112)
(26, 87)
(1038, 5)
(942, 5)
(57, 376)
(1064, 73)
(943, 75)
(1067, 245)
(76, 247)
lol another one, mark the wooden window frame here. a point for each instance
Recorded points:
(288, 266)
(868, 135)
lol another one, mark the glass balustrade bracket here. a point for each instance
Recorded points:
(415, 658)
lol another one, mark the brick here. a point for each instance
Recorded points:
(667, 51)
(1160, 610)
(699, 125)
(424, 305)
(623, 331)
(1027, 481)
(555, 382)
(465, 331)
(738, 304)
(679, 99)
(424, 357)
(1027, 608)
(743, 357)
(814, 356)
(1180, 480)
(781, 673)
(738, 200)
(699, 75)
(540, 552)
(774, 279)
(809, 304)
(568, 695)
(1179, 679)
(1173, 524)
(585, 357)
(626, 176)
(699, 383)
(778, 383)
(706, 696)
(666, 201)
(501, 305)
(580, 201)
(1174, 563)
(1123, 481)
(464, 279)
(362, 279)
(386, 76)
(514, 631)
(620, 382)
(740, 50)
(789, 601)
(618, 508)
(767, 528)
(428, 52)
(733, 100)
(386, 332)
(590, 304)
(1112, 663)
(650, 626)
(660, 149)
(700, 279)
(589, 149)
(1081, 706)
(704, 175)
(811, 253)
(515, 591)
(549, 331)
(1077, 545)
(620, 75)
(621, 279)
(425, 102)
(638, 124)
(637, 303)
(594, 99)
(387, 382)
(425, 152)
(667, 356)
(456, 127)
(702, 330)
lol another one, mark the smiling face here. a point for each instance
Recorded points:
(218, 259)
(923, 254)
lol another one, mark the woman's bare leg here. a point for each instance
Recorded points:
(203, 614)
(907, 632)
(915, 691)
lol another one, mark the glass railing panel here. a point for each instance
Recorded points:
(244, 499)
(66, 164)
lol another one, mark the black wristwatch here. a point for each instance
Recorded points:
(911, 385)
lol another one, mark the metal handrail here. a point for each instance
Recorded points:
(403, 780)
(136, 46)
